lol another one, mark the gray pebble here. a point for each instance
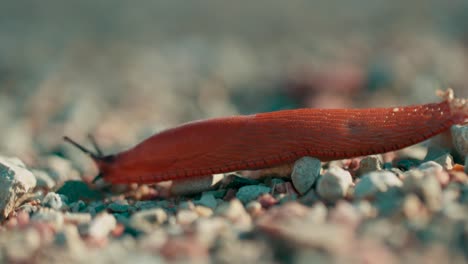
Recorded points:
(15, 181)
(52, 200)
(251, 192)
(305, 172)
(119, 207)
(77, 206)
(334, 184)
(377, 181)
(208, 200)
(460, 139)
(446, 161)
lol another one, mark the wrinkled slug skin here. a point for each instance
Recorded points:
(269, 139)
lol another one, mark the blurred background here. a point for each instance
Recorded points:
(123, 71)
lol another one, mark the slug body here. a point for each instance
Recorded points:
(265, 140)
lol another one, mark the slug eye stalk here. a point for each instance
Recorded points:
(94, 156)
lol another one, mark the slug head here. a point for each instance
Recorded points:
(101, 161)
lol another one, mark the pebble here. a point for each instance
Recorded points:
(15, 181)
(305, 173)
(203, 211)
(251, 192)
(236, 213)
(460, 139)
(148, 220)
(254, 208)
(119, 206)
(78, 190)
(154, 240)
(52, 217)
(77, 218)
(52, 200)
(446, 161)
(77, 206)
(144, 205)
(71, 240)
(345, 214)
(43, 179)
(101, 226)
(310, 197)
(317, 214)
(192, 186)
(334, 184)
(208, 200)
(425, 184)
(186, 217)
(370, 164)
(373, 182)
(466, 164)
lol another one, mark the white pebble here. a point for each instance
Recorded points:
(334, 184)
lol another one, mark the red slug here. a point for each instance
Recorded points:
(265, 140)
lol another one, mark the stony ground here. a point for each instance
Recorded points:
(352, 211)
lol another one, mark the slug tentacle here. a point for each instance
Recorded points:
(270, 139)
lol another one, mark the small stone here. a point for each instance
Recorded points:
(373, 182)
(144, 205)
(209, 229)
(466, 164)
(52, 200)
(334, 184)
(305, 172)
(203, 211)
(318, 213)
(345, 214)
(460, 139)
(235, 212)
(154, 241)
(412, 207)
(310, 197)
(198, 185)
(15, 182)
(101, 226)
(78, 190)
(431, 167)
(70, 239)
(370, 164)
(425, 183)
(208, 200)
(267, 200)
(119, 206)
(254, 208)
(251, 192)
(77, 206)
(77, 218)
(52, 217)
(446, 161)
(43, 179)
(186, 217)
(148, 220)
